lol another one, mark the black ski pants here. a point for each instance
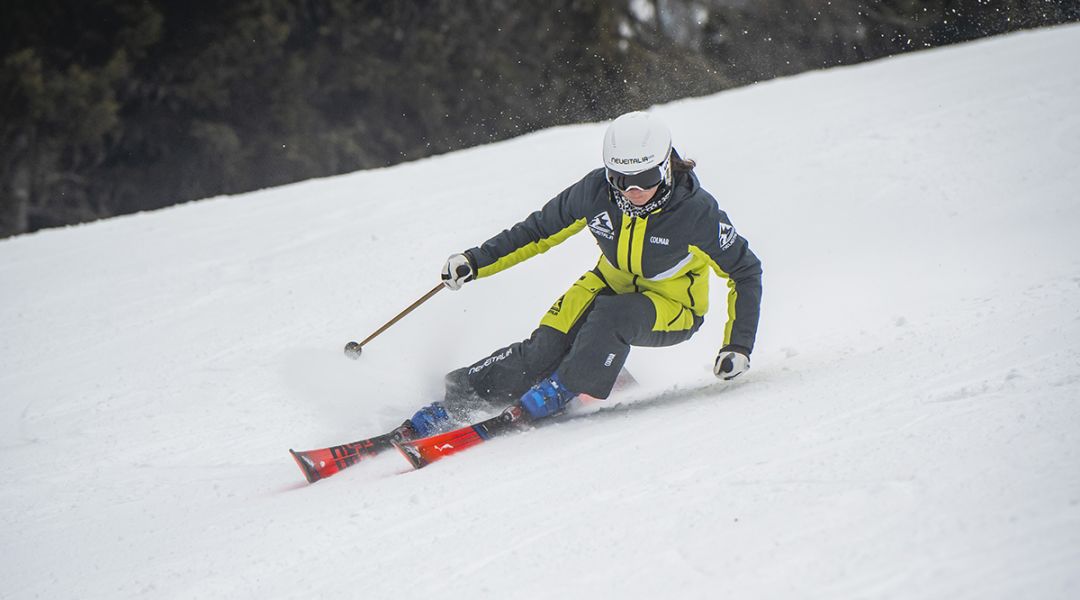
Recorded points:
(586, 337)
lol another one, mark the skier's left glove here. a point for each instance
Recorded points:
(731, 362)
(457, 271)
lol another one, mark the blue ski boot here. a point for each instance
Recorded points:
(546, 398)
(430, 420)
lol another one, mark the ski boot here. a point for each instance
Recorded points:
(430, 420)
(546, 398)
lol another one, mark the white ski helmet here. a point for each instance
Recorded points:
(637, 152)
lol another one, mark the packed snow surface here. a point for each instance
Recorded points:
(910, 427)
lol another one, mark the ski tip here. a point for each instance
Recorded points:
(411, 454)
(310, 473)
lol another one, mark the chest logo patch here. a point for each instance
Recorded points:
(727, 236)
(601, 226)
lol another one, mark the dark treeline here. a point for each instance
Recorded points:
(114, 106)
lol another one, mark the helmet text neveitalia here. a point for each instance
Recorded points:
(633, 161)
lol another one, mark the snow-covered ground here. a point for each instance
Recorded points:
(910, 427)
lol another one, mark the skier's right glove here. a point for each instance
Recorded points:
(731, 362)
(457, 271)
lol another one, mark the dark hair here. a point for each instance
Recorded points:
(682, 165)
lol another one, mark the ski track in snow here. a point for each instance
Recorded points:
(909, 428)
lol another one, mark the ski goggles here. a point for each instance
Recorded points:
(647, 179)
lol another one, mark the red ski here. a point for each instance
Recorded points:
(324, 462)
(425, 451)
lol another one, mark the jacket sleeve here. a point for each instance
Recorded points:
(560, 218)
(729, 255)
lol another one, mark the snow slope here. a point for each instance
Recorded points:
(910, 427)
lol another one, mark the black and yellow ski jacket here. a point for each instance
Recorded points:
(667, 252)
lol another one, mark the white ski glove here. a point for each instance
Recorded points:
(731, 362)
(457, 271)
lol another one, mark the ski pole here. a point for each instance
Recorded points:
(353, 349)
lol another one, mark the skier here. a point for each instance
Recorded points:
(659, 232)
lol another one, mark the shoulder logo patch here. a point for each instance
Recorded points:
(556, 308)
(727, 236)
(601, 226)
